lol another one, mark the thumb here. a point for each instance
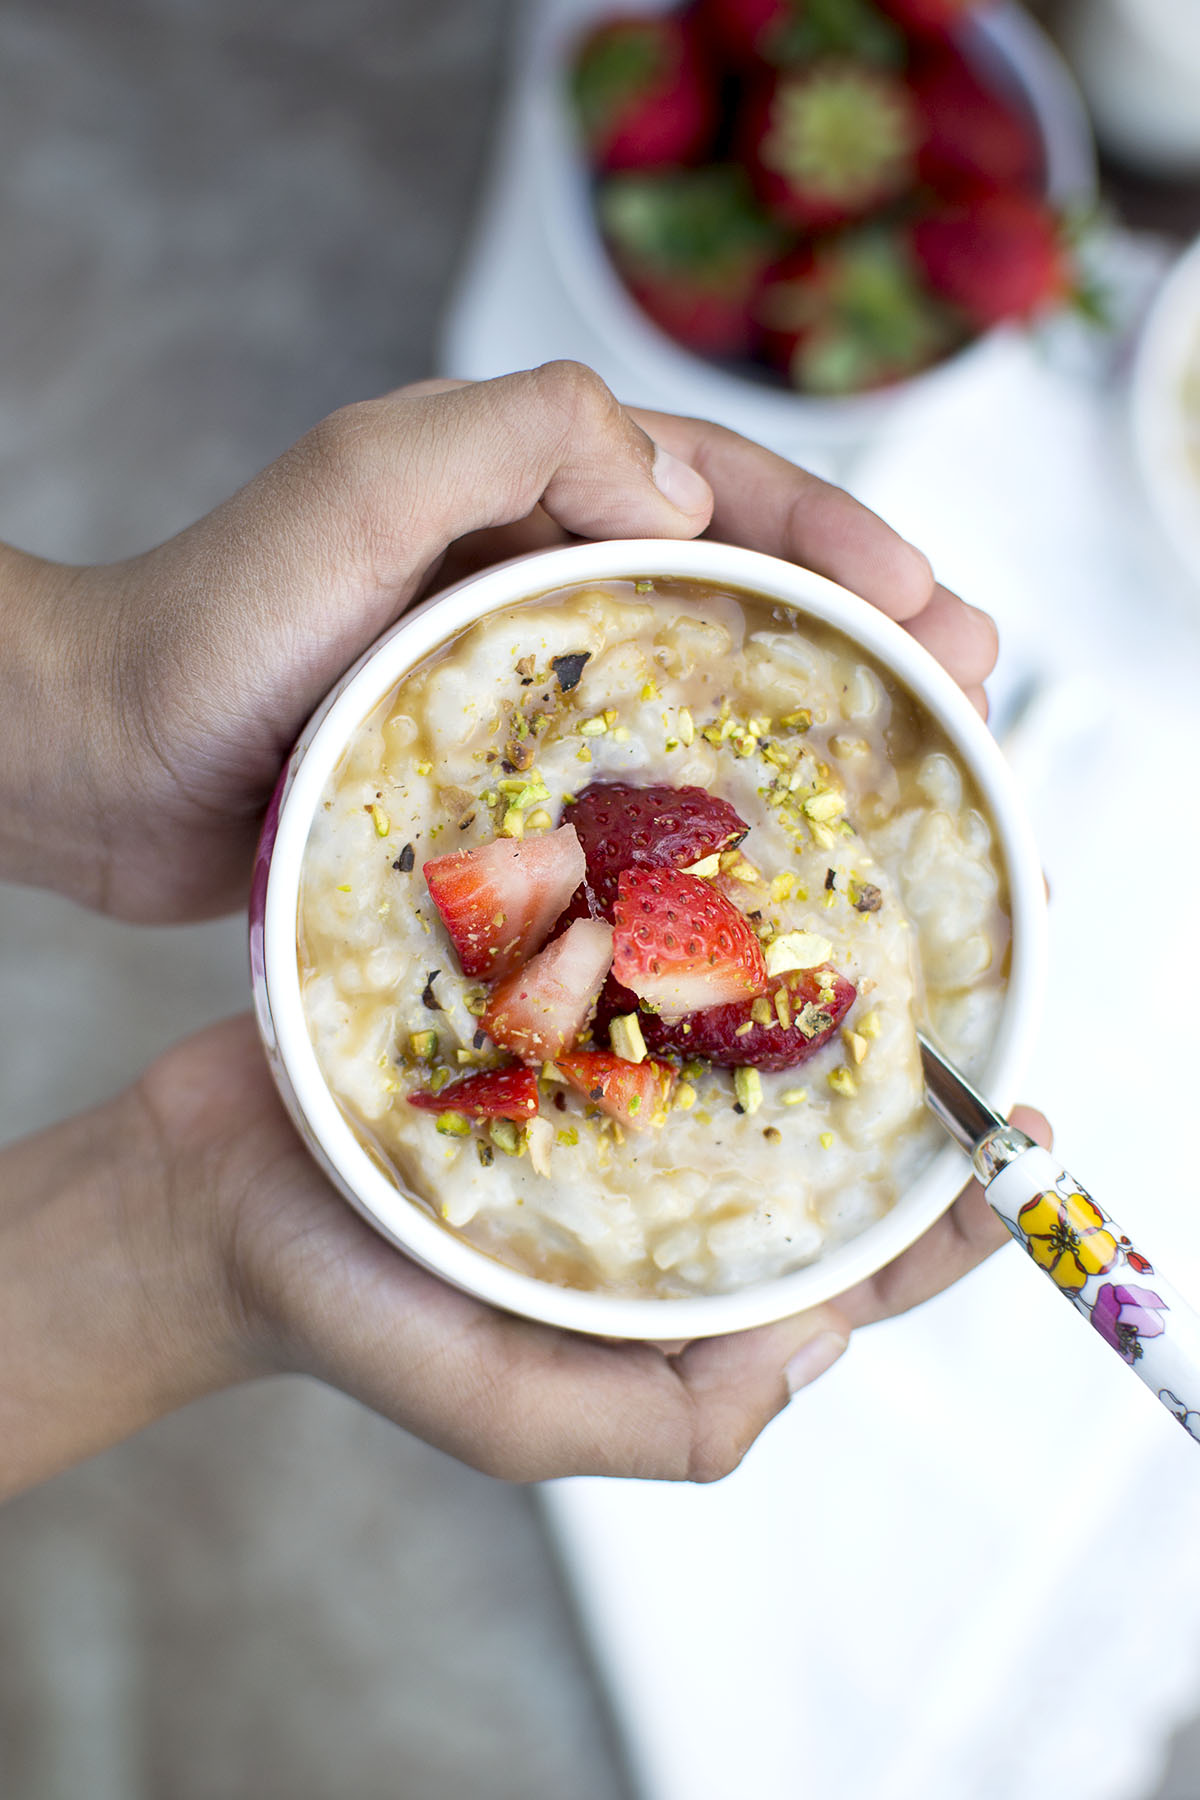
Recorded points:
(406, 475)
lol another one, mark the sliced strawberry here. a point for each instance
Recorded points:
(623, 826)
(499, 902)
(680, 946)
(510, 1093)
(850, 312)
(830, 143)
(814, 1002)
(636, 1094)
(541, 1010)
(996, 256)
(691, 245)
(972, 136)
(643, 93)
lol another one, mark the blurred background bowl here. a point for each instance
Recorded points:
(1165, 410)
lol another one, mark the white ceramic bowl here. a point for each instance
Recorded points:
(639, 359)
(410, 1225)
(1165, 409)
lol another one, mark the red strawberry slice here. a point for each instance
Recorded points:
(847, 313)
(973, 137)
(499, 902)
(998, 256)
(680, 946)
(635, 1094)
(510, 1093)
(541, 1010)
(691, 245)
(804, 1020)
(622, 826)
(830, 143)
(643, 94)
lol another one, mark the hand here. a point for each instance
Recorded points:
(181, 1240)
(147, 706)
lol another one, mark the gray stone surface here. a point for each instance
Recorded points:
(220, 220)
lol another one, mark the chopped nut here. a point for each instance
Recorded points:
(705, 869)
(782, 886)
(865, 897)
(856, 1044)
(453, 1124)
(797, 950)
(793, 1096)
(423, 1045)
(539, 1138)
(380, 820)
(424, 768)
(843, 1082)
(404, 862)
(747, 1085)
(761, 1011)
(800, 720)
(827, 1140)
(506, 1136)
(783, 1007)
(475, 1000)
(625, 1037)
(685, 1096)
(594, 727)
(513, 823)
(583, 754)
(569, 667)
(568, 1136)
(824, 806)
(539, 820)
(685, 726)
(812, 1020)
(487, 1155)
(868, 1025)
(429, 998)
(525, 667)
(743, 1029)
(438, 1080)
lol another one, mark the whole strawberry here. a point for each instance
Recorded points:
(691, 246)
(644, 94)
(784, 33)
(929, 17)
(996, 257)
(848, 313)
(972, 136)
(830, 143)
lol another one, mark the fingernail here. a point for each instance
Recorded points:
(812, 1359)
(680, 483)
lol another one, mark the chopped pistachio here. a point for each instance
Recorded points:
(824, 806)
(487, 1155)
(800, 720)
(782, 886)
(463, 1057)
(583, 754)
(747, 1085)
(761, 1012)
(513, 823)
(634, 1103)
(794, 1096)
(438, 1080)
(476, 1000)
(868, 1026)
(685, 726)
(797, 950)
(568, 1136)
(620, 734)
(856, 1044)
(671, 743)
(693, 1070)
(611, 715)
(643, 587)
(813, 1020)
(705, 869)
(649, 691)
(507, 1136)
(380, 820)
(743, 1029)
(424, 768)
(685, 1096)
(453, 1124)
(843, 1082)
(827, 1140)
(539, 820)
(595, 727)
(539, 1139)
(824, 837)
(344, 887)
(625, 1037)
(783, 1007)
(423, 1045)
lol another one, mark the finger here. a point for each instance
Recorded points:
(418, 469)
(963, 639)
(526, 1402)
(765, 503)
(961, 1239)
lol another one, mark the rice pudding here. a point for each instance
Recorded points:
(628, 763)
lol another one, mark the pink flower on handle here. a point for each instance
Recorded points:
(1125, 1315)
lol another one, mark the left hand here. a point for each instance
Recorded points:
(150, 704)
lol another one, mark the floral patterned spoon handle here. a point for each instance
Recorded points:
(1080, 1247)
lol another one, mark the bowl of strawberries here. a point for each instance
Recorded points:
(594, 918)
(822, 201)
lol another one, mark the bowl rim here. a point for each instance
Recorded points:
(409, 1223)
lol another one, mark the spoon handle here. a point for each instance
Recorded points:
(1089, 1259)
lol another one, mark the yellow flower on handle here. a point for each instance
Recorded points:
(1065, 1235)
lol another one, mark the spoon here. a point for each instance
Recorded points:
(1079, 1246)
